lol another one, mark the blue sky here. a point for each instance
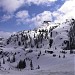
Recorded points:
(17, 15)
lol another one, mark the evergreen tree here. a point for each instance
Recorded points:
(37, 46)
(38, 67)
(3, 61)
(32, 46)
(24, 63)
(51, 34)
(31, 65)
(63, 56)
(50, 42)
(46, 34)
(8, 41)
(25, 44)
(19, 43)
(21, 64)
(40, 52)
(71, 51)
(0, 63)
(13, 60)
(59, 56)
(34, 35)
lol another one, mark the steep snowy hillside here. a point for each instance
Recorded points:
(38, 52)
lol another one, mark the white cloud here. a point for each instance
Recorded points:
(38, 19)
(11, 5)
(66, 11)
(6, 17)
(38, 2)
(21, 16)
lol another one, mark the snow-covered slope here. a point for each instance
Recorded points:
(43, 47)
